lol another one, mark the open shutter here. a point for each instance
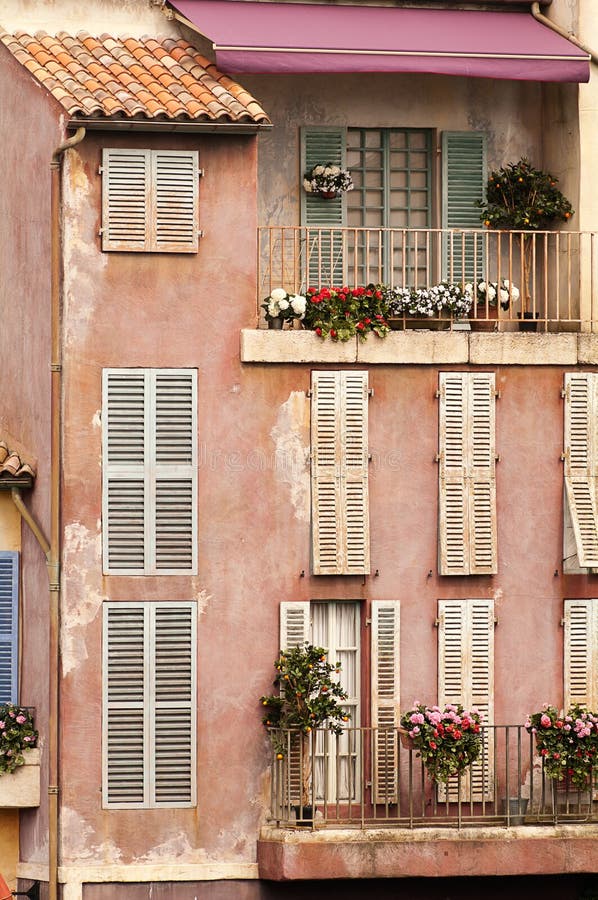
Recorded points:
(463, 179)
(385, 701)
(9, 626)
(466, 676)
(294, 624)
(340, 516)
(126, 705)
(581, 653)
(175, 177)
(467, 483)
(580, 463)
(323, 219)
(126, 200)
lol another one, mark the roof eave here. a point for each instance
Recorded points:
(184, 125)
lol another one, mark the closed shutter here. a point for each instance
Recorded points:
(150, 471)
(340, 514)
(150, 200)
(466, 676)
(467, 484)
(581, 409)
(385, 701)
(149, 705)
(581, 653)
(323, 219)
(9, 626)
(463, 179)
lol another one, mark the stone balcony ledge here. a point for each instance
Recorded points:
(422, 348)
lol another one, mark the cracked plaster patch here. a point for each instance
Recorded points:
(79, 841)
(291, 440)
(82, 550)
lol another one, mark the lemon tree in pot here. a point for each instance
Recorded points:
(309, 696)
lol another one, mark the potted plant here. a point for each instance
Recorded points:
(568, 744)
(448, 740)
(488, 296)
(309, 697)
(341, 312)
(522, 198)
(443, 299)
(327, 180)
(17, 735)
(281, 306)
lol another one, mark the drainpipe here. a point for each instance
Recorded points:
(554, 27)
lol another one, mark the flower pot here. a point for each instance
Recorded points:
(328, 195)
(516, 807)
(406, 740)
(275, 324)
(488, 320)
(304, 816)
(527, 322)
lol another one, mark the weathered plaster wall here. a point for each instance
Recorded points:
(10, 524)
(588, 117)
(114, 16)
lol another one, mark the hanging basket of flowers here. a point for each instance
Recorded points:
(448, 740)
(328, 181)
(568, 744)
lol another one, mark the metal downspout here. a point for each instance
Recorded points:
(554, 27)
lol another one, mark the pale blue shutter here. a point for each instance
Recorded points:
(9, 625)
(463, 181)
(322, 219)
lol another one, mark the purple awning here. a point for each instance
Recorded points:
(292, 38)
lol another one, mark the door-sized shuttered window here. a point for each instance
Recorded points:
(466, 676)
(467, 476)
(323, 219)
(581, 653)
(9, 626)
(149, 708)
(150, 200)
(386, 713)
(581, 462)
(149, 421)
(464, 173)
(339, 459)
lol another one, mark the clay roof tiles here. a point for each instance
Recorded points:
(132, 78)
(15, 461)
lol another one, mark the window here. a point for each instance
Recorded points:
(336, 625)
(581, 469)
(581, 653)
(339, 453)
(9, 626)
(149, 421)
(467, 478)
(149, 708)
(466, 676)
(150, 200)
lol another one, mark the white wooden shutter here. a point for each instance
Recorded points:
(581, 653)
(150, 471)
(149, 756)
(467, 483)
(9, 626)
(385, 701)
(466, 676)
(340, 503)
(581, 462)
(323, 219)
(295, 625)
(464, 171)
(150, 200)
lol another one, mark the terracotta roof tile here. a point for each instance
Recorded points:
(131, 77)
(15, 461)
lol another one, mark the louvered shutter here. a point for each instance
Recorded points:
(295, 631)
(323, 219)
(340, 514)
(150, 471)
(149, 705)
(463, 178)
(150, 200)
(581, 410)
(581, 653)
(467, 484)
(385, 701)
(466, 676)
(9, 626)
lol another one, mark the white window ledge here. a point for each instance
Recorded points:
(21, 789)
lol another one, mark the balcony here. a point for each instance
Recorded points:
(378, 814)
(556, 272)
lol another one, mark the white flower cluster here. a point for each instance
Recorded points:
(327, 179)
(427, 302)
(287, 306)
(506, 292)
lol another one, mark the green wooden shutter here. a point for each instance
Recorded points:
(322, 219)
(581, 461)
(463, 181)
(385, 701)
(9, 626)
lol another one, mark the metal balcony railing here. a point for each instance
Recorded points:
(555, 272)
(368, 778)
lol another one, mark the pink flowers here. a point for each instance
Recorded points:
(545, 721)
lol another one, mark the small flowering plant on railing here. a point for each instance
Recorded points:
(341, 312)
(16, 735)
(327, 179)
(568, 744)
(448, 740)
(492, 292)
(281, 305)
(456, 299)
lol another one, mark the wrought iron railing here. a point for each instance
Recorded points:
(555, 272)
(367, 777)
